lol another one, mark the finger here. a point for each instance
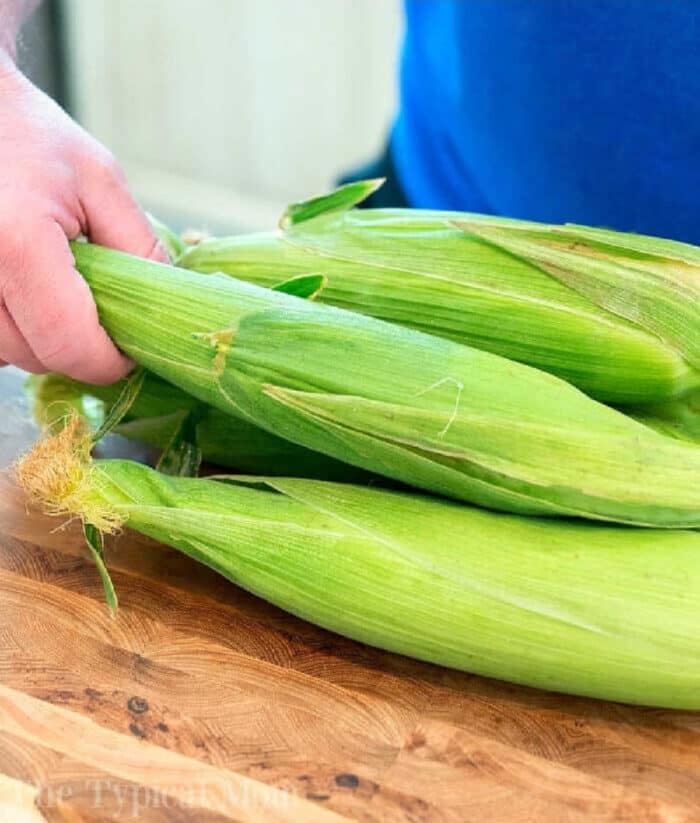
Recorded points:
(53, 309)
(114, 218)
(14, 348)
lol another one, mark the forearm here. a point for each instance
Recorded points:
(13, 13)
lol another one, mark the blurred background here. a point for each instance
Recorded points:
(223, 111)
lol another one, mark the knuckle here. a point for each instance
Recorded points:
(155, 251)
(107, 167)
(63, 178)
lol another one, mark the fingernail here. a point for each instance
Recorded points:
(160, 253)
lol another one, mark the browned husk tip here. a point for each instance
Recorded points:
(58, 476)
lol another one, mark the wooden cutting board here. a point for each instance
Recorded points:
(201, 702)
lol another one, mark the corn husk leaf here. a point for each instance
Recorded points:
(343, 198)
(654, 285)
(419, 269)
(675, 418)
(129, 390)
(183, 428)
(95, 544)
(307, 286)
(413, 407)
(170, 241)
(579, 608)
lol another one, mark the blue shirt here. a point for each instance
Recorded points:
(556, 110)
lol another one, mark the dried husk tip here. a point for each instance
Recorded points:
(58, 476)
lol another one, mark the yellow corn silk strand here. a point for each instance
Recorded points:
(616, 315)
(420, 409)
(609, 612)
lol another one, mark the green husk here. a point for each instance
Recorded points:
(161, 411)
(580, 608)
(621, 325)
(423, 410)
(675, 418)
(652, 282)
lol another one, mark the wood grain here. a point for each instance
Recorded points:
(201, 702)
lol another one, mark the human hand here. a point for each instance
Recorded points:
(56, 183)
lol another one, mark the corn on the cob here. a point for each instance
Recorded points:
(161, 410)
(580, 608)
(423, 410)
(618, 316)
